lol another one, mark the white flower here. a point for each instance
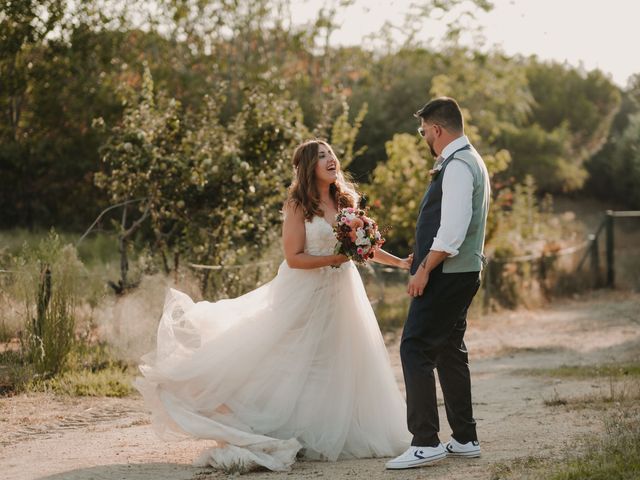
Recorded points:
(361, 237)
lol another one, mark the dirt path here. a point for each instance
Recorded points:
(82, 438)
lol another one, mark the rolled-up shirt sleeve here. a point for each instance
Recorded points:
(456, 208)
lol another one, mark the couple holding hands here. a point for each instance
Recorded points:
(298, 367)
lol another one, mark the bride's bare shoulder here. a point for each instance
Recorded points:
(292, 210)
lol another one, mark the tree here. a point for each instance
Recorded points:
(24, 26)
(211, 192)
(397, 187)
(613, 170)
(616, 170)
(571, 119)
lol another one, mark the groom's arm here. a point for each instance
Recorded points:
(418, 281)
(432, 260)
(456, 208)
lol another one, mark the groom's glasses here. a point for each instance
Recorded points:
(422, 132)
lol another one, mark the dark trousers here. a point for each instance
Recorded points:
(433, 337)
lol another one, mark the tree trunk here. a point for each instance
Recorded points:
(122, 247)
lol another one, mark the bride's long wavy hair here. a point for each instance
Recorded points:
(303, 191)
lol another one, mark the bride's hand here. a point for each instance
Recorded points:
(406, 262)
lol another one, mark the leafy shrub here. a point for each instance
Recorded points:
(49, 285)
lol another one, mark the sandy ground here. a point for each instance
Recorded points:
(44, 437)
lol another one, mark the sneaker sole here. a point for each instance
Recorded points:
(463, 454)
(418, 463)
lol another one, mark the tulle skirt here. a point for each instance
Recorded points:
(298, 363)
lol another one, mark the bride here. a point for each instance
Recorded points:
(297, 365)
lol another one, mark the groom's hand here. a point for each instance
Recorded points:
(418, 282)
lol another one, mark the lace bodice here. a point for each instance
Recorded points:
(320, 239)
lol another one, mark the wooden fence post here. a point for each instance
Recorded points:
(486, 299)
(595, 259)
(610, 251)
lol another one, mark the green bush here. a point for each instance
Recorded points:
(49, 286)
(397, 188)
(522, 241)
(204, 189)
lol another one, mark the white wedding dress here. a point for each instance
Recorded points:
(298, 363)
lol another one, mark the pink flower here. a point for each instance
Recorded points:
(360, 250)
(343, 219)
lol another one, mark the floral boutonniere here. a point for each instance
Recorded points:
(435, 171)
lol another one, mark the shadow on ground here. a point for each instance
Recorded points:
(132, 471)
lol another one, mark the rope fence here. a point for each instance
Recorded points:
(382, 269)
(542, 263)
(199, 266)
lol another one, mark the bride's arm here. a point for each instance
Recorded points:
(293, 237)
(386, 258)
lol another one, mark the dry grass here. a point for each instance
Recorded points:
(614, 456)
(619, 384)
(615, 370)
(91, 371)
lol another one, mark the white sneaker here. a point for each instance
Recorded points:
(457, 449)
(417, 457)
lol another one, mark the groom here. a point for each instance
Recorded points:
(448, 258)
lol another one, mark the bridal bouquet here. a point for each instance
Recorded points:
(358, 235)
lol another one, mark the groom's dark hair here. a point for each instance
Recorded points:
(444, 111)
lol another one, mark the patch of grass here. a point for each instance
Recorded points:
(6, 332)
(391, 316)
(511, 351)
(502, 470)
(556, 400)
(615, 456)
(620, 384)
(615, 393)
(587, 371)
(96, 249)
(91, 371)
(387, 290)
(14, 372)
(108, 382)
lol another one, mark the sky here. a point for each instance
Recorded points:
(594, 34)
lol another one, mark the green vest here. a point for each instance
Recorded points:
(470, 257)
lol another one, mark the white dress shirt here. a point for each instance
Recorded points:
(456, 209)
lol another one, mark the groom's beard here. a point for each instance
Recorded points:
(433, 152)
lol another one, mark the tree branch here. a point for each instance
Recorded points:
(103, 213)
